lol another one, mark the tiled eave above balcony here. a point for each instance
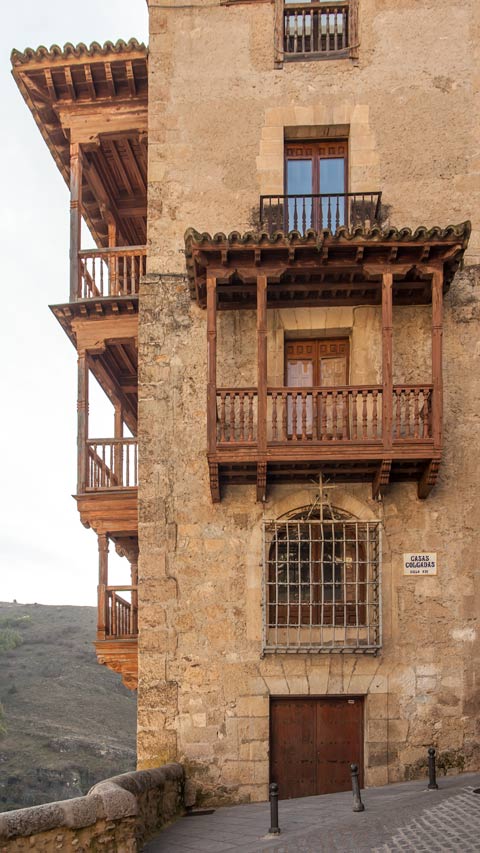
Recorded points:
(323, 267)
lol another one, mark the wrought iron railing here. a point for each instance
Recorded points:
(332, 211)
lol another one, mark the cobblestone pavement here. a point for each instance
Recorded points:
(404, 817)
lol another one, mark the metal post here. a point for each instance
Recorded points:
(432, 776)
(274, 827)
(357, 800)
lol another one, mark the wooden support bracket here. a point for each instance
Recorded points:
(261, 481)
(214, 482)
(428, 479)
(382, 477)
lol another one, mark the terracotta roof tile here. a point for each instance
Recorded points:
(70, 51)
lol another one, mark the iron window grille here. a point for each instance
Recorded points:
(321, 584)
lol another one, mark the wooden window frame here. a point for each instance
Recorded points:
(350, 52)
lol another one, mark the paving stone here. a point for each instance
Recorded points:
(401, 817)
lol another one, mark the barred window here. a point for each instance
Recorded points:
(321, 583)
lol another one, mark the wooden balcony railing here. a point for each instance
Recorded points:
(305, 416)
(117, 617)
(301, 212)
(316, 29)
(110, 272)
(112, 463)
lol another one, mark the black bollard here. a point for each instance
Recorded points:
(432, 773)
(357, 800)
(274, 827)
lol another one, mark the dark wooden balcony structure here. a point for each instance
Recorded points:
(91, 105)
(379, 433)
(319, 30)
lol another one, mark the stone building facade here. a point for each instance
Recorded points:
(223, 102)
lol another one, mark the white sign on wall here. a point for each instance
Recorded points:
(420, 563)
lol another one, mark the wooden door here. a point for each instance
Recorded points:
(315, 363)
(313, 741)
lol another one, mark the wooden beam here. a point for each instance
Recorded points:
(75, 218)
(102, 584)
(262, 481)
(387, 359)
(89, 81)
(109, 79)
(69, 82)
(211, 364)
(437, 374)
(131, 78)
(82, 421)
(262, 362)
(381, 478)
(428, 479)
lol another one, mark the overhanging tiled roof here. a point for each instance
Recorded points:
(325, 258)
(82, 80)
(72, 51)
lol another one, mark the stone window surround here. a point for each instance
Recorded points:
(341, 118)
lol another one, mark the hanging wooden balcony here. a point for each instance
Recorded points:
(348, 433)
(117, 633)
(107, 484)
(110, 273)
(305, 212)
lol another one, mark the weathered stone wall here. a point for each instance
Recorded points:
(116, 815)
(218, 110)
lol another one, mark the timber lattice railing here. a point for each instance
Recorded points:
(306, 416)
(111, 272)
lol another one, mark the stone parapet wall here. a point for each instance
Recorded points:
(116, 815)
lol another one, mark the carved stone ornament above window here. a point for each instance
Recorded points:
(315, 29)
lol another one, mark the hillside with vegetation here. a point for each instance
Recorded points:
(65, 721)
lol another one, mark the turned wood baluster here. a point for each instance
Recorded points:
(398, 419)
(250, 415)
(426, 412)
(354, 415)
(128, 482)
(364, 414)
(274, 416)
(407, 414)
(304, 415)
(345, 396)
(324, 415)
(242, 415)
(375, 414)
(114, 613)
(233, 398)
(284, 416)
(416, 395)
(334, 414)
(294, 415)
(222, 415)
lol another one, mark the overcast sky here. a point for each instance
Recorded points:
(46, 555)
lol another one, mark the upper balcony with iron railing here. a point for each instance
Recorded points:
(309, 211)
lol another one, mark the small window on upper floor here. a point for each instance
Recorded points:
(319, 30)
